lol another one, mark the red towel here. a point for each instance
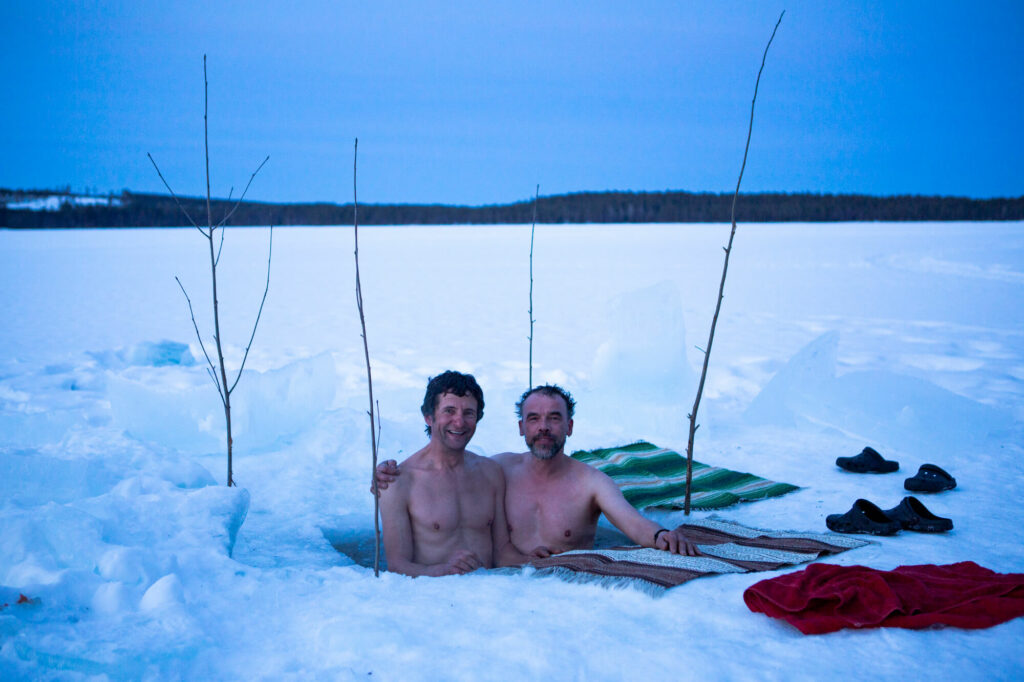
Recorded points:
(825, 598)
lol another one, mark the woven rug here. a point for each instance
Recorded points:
(727, 548)
(650, 476)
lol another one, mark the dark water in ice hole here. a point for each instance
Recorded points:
(357, 544)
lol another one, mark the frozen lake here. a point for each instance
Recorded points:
(906, 337)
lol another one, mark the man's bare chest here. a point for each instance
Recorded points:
(442, 502)
(550, 511)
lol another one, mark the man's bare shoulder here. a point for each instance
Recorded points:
(580, 468)
(594, 477)
(486, 466)
(507, 457)
(417, 460)
(510, 460)
(484, 471)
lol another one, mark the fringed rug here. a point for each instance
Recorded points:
(726, 547)
(650, 476)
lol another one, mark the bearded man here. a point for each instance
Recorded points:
(552, 501)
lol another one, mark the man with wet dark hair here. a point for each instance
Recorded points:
(554, 501)
(551, 390)
(446, 515)
(455, 383)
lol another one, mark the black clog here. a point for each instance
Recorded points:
(863, 517)
(930, 479)
(913, 515)
(867, 462)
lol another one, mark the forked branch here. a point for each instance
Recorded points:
(175, 196)
(217, 370)
(211, 368)
(532, 228)
(220, 247)
(721, 287)
(259, 313)
(369, 377)
(244, 192)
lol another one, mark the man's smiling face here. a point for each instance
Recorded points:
(454, 420)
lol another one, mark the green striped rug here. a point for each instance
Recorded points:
(650, 476)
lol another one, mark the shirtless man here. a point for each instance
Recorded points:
(446, 515)
(553, 500)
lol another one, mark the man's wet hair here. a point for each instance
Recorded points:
(550, 390)
(451, 382)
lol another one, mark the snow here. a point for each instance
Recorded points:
(140, 564)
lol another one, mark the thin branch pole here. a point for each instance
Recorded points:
(259, 313)
(173, 195)
(206, 147)
(369, 376)
(378, 422)
(532, 229)
(199, 336)
(244, 192)
(220, 247)
(213, 274)
(721, 287)
(220, 382)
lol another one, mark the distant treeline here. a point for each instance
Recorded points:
(155, 210)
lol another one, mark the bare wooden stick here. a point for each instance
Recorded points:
(199, 336)
(721, 287)
(220, 247)
(369, 376)
(218, 370)
(378, 422)
(259, 313)
(226, 395)
(244, 192)
(206, 148)
(174, 196)
(532, 228)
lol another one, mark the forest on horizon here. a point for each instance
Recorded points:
(130, 209)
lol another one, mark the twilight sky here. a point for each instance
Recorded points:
(476, 102)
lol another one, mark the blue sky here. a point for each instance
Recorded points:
(477, 102)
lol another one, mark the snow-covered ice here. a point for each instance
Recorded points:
(139, 564)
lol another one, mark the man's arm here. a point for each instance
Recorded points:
(388, 471)
(398, 539)
(626, 518)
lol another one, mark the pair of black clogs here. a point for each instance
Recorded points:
(928, 479)
(866, 517)
(910, 514)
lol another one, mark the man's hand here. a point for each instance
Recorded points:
(387, 472)
(676, 542)
(461, 561)
(540, 552)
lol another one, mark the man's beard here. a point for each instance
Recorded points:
(544, 452)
